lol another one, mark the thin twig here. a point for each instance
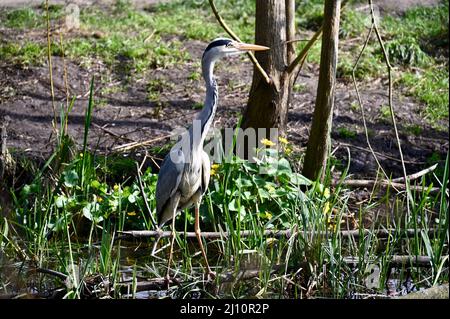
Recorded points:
(361, 106)
(66, 84)
(293, 67)
(111, 132)
(51, 272)
(378, 153)
(129, 146)
(49, 57)
(236, 38)
(296, 65)
(391, 105)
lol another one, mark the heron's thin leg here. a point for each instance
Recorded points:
(199, 238)
(155, 245)
(172, 238)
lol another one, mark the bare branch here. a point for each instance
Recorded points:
(378, 153)
(294, 66)
(297, 64)
(360, 103)
(384, 183)
(381, 233)
(129, 146)
(398, 260)
(416, 175)
(391, 104)
(50, 69)
(235, 37)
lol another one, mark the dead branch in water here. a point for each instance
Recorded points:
(398, 261)
(396, 183)
(382, 233)
(384, 183)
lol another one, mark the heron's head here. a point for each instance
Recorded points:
(223, 47)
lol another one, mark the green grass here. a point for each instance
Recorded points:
(346, 133)
(431, 87)
(26, 54)
(29, 18)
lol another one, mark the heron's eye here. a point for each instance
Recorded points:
(229, 44)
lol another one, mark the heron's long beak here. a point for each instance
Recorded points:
(250, 47)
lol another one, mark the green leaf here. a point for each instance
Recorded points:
(95, 184)
(232, 206)
(61, 201)
(299, 179)
(284, 167)
(132, 198)
(250, 167)
(263, 193)
(90, 211)
(26, 190)
(247, 195)
(242, 213)
(70, 178)
(243, 182)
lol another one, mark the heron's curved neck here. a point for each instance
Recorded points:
(206, 116)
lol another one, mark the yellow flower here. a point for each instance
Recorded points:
(326, 208)
(81, 154)
(116, 187)
(270, 241)
(265, 215)
(99, 199)
(326, 193)
(212, 172)
(270, 188)
(267, 142)
(215, 166)
(283, 140)
(332, 228)
(131, 213)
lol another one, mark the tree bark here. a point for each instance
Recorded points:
(319, 139)
(268, 102)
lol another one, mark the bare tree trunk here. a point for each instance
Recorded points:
(268, 102)
(319, 138)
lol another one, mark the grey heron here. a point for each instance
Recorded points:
(185, 172)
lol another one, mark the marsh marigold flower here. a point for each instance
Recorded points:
(283, 140)
(267, 142)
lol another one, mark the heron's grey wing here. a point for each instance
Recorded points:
(169, 178)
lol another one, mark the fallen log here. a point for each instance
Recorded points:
(288, 233)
